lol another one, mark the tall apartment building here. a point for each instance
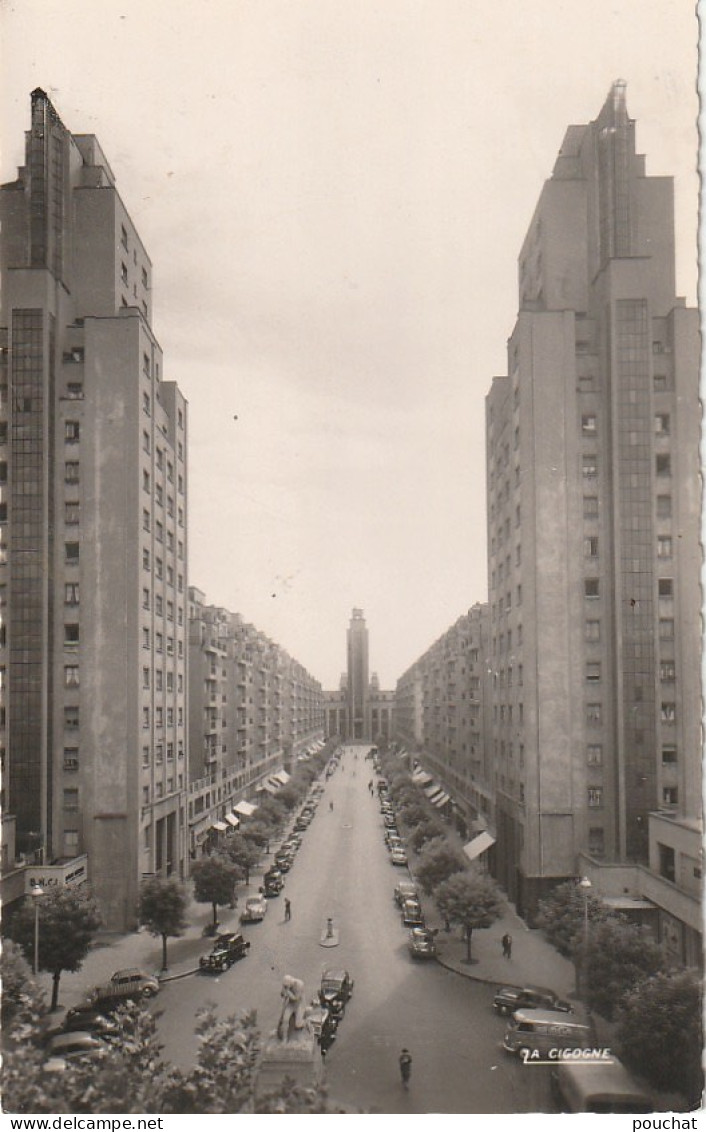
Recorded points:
(94, 522)
(442, 704)
(253, 710)
(593, 523)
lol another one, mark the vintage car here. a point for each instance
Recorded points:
(405, 890)
(255, 910)
(227, 949)
(412, 915)
(422, 944)
(336, 989)
(129, 985)
(509, 999)
(273, 882)
(324, 1024)
(398, 856)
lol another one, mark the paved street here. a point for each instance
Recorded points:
(342, 870)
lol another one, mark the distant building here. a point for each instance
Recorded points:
(94, 530)
(593, 495)
(359, 710)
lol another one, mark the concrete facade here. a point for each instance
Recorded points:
(359, 709)
(95, 508)
(593, 524)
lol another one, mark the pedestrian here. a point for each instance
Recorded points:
(507, 945)
(330, 805)
(405, 1067)
(287, 909)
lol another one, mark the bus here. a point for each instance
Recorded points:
(598, 1086)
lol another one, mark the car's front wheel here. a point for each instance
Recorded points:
(149, 992)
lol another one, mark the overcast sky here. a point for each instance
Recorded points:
(333, 194)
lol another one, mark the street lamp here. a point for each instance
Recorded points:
(586, 886)
(37, 894)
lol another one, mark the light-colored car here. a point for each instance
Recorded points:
(405, 890)
(398, 857)
(255, 910)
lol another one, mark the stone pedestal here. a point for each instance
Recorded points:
(299, 1059)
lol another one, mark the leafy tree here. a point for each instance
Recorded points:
(561, 916)
(439, 861)
(257, 833)
(224, 1076)
(21, 997)
(162, 909)
(68, 921)
(243, 852)
(619, 957)
(215, 878)
(291, 1098)
(660, 1032)
(413, 812)
(426, 831)
(271, 812)
(470, 898)
(289, 795)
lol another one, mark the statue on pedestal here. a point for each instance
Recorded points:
(291, 1020)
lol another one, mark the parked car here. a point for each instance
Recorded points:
(284, 860)
(390, 820)
(227, 949)
(74, 1045)
(89, 1021)
(398, 857)
(324, 1024)
(422, 944)
(129, 985)
(509, 999)
(392, 837)
(273, 882)
(336, 989)
(412, 915)
(255, 910)
(405, 890)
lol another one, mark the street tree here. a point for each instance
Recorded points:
(562, 916)
(439, 860)
(21, 997)
(660, 1032)
(243, 852)
(289, 795)
(257, 833)
(215, 878)
(162, 909)
(68, 920)
(619, 956)
(471, 899)
(413, 812)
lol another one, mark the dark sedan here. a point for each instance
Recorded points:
(509, 999)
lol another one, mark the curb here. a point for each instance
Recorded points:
(465, 974)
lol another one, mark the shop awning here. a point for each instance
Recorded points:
(268, 787)
(219, 825)
(432, 789)
(441, 800)
(245, 809)
(282, 777)
(232, 820)
(478, 845)
(421, 777)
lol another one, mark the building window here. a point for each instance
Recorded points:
(145, 677)
(594, 754)
(159, 753)
(660, 382)
(71, 676)
(71, 634)
(71, 471)
(595, 797)
(71, 799)
(661, 424)
(158, 680)
(71, 842)
(145, 520)
(588, 424)
(670, 795)
(589, 466)
(158, 531)
(72, 513)
(72, 431)
(593, 672)
(664, 546)
(70, 759)
(158, 567)
(71, 717)
(668, 712)
(666, 629)
(146, 404)
(145, 480)
(596, 841)
(590, 546)
(663, 464)
(159, 642)
(592, 631)
(591, 587)
(665, 587)
(145, 717)
(144, 277)
(664, 506)
(145, 756)
(158, 494)
(666, 862)
(71, 593)
(145, 559)
(594, 715)
(158, 605)
(590, 506)
(123, 236)
(669, 755)
(71, 552)
(159, 717)
(145, 638)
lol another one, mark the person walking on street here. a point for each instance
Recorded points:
(287, 909)
(330, 805)
(405, 1067)
(507, 945)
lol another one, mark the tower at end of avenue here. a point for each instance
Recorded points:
(358, 710)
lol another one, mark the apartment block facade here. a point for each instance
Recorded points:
(94, 521)
(253, 710)
(593, 496)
